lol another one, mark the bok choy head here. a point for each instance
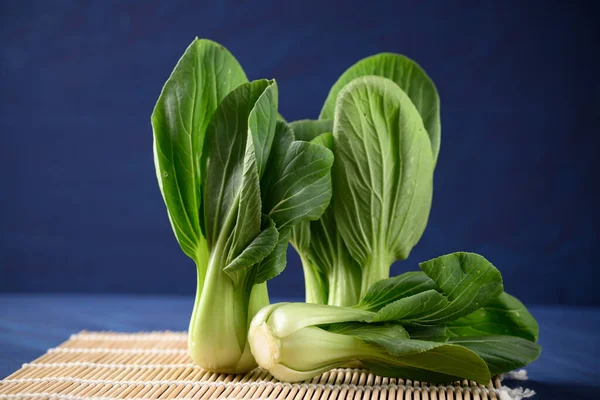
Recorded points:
(384, 116)
(437, 325)
(235, 181)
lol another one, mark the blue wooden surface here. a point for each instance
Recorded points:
(569, 367)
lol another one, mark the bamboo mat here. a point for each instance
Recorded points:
(155, 365)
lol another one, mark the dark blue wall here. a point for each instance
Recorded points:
(80, 207)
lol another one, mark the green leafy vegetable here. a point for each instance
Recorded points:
(293, 351)
(401, 328)
(235, 182)
(383, 178)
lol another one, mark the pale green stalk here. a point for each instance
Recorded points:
(315, 288)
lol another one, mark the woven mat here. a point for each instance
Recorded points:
(155, 365)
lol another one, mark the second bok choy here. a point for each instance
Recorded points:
(235, 182)
(384, 114)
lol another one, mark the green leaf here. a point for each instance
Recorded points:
(204, 75)
(275, 262)
(260, 247)
(412, 80)
(501, 353)
(308, 129)
(388, 290)
(419, 359)
(435, 333)
(416, 359)
(230, 175)
(261, 124)
(246, 204)
(324, 139)
(466, 282)
(296, 187)
(503, 333)
(301, 231)
(382, 173)
(504, 315)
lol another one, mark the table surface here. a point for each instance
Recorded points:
(569, 367)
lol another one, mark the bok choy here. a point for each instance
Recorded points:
(235, 182)
(428, 325)
(385, 142)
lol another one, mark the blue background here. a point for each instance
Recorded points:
(516, 178)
